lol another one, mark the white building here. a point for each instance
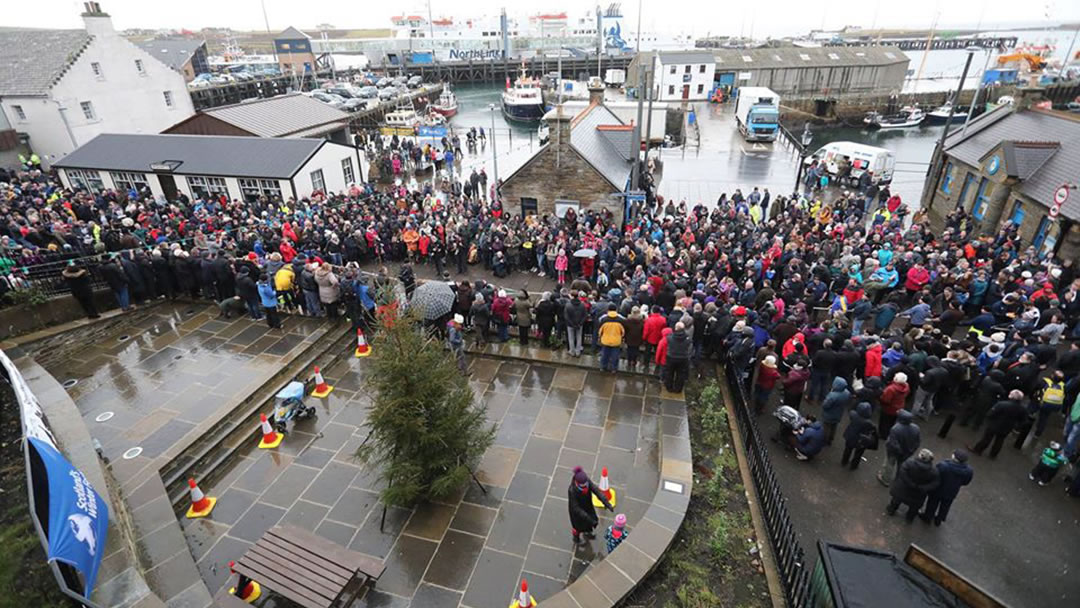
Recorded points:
(64, 87)
(679, 75)
(201, 166)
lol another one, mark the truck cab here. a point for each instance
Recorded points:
(757, 113)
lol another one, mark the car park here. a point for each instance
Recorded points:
(415, 81)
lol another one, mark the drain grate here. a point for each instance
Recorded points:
(70, 383)
(123, 338)
(103, 416)
(132, 453)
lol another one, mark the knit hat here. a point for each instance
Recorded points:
(502, 293)
(459, 319)
(580, 476)
(900, 377)
(998, 337)
(925, 455)
(960, 455)
(769, 361)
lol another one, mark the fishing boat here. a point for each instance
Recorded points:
(543, 133)
(524, 101)
(940, 115)
(907, 117)
(447, 103)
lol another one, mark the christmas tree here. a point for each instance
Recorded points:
(424, 431)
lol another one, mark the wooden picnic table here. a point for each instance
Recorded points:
(308, 569)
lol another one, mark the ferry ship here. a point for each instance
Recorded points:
(524, 101)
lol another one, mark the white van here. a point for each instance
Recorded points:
(862, 158)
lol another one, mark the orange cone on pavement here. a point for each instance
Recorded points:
(201, 504)
(270, 438)
(249, 589)
(605, 489)
(362, 347)
(322, 389)
(524, 599)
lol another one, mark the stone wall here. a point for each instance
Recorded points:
(25, 318)
(856, 105)
(569, 177)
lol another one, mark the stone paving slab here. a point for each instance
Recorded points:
(473, 549)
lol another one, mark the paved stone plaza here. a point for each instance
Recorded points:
(472, 549)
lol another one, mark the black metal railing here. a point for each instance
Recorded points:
(790, 559)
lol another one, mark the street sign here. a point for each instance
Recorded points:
(1055, 209)
(1061, 194)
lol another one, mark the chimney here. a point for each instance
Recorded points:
(97, 21)
(596, 91)
(559, 121)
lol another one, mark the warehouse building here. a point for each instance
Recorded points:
(1007, 168)
(294, 115)
(803, 72)
(181, 54)
(203, 166)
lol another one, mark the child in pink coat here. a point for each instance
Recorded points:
(561, 264)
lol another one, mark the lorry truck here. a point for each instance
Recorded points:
(757, 112)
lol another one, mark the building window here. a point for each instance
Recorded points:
(1017, 215)
(88, 110)
(347, 171)
(127, 181)
(96, 67)
(139, 67)
(19, 113)
(207, 187)
(1042, 242)
(672, 70)
(671, 90)
(982, 200)
(970, 179)
(700, 89)
(946, 181)
(317, 182)
(252, 189)
(85, 179)
(701, 69)
(747, 58)
(168, 98)
(285, 45)
(686, 70)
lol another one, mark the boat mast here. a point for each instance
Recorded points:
(922, 62)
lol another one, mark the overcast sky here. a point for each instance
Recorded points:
(699, 17)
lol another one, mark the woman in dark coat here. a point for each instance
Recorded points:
(917, 477)
(545, 317)
(860, 434)
(583, 517)
(78, 281)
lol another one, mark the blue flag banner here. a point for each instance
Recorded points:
(78, 517)
(431, 131)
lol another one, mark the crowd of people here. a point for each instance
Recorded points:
(846, 306)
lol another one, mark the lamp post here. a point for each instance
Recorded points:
(978, 90)
(807, 137)
(494, 151)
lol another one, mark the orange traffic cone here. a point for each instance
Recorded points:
(362, 348)
(249, 589)
(605, 489)
(524, 599)
(270, 438)
(322, 389)
(201, 504)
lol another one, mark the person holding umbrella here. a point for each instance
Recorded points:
(583, 517)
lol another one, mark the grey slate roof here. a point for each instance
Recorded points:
(198, 154)
(683, 57)
(173, 52)
(291, 33)
(32, 60)
(1032, 125)
(284, 116)
(597, 147)
(764, 58)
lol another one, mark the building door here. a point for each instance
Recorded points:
(970, 179)
(686, 91)
(528, 206)
(168, 186)
(1040, 242)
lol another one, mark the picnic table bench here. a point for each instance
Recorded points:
(308, 569)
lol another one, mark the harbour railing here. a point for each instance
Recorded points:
(795, 573)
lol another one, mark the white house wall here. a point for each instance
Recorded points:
(664, 79)
(123, 100)
(328, 158)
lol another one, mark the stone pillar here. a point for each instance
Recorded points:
(559, 131)
(999, 198)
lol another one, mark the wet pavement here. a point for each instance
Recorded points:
(153, 381)
(1005, 533)
(472, 549)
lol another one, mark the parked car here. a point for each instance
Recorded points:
(383, 82)
(353, 104)
(341, 91)
(415, 81)
(368, 92)
(388, 93)
(329, 99)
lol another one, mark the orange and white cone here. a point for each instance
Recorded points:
(524, 599)
(201, 504)
(249, 589)
(605, 489)
(270, 438)
(322, 389)
(363, 349)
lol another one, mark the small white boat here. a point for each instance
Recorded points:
(543, 132)
(907, 117)
(940, 115)
(447, 104)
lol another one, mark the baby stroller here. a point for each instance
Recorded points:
(290, 406)
(790, 422)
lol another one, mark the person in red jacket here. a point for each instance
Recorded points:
(767, 376)
(661, 351)
(655, 324)
(892, 401)
(872, 369)
(287, 251)
(917, 278)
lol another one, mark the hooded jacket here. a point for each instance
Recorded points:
(873, 362)
(952, 476)
(859, 424)
(574, 313)
(654, 327)
(328, 285)
(811, 440)
(915, 479)
(836, 402)
(679, 345)
(662, 347)
(611, 329)
(893, 398)
(903, 439)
